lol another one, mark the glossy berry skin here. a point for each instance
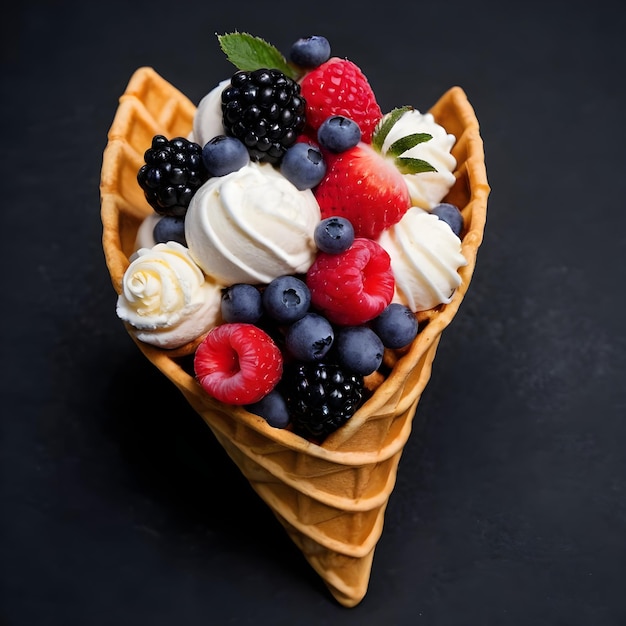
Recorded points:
(303, 165)
(241, 303)
(339, 87)
(223, 155)
(265, 110)
(396, 326)
(172, 173)
(170, 228)
(238, 363)
(365, 188)
(338, 133)
(334, 235)
(310, 338)
(321, 397)
(359, 349)
(309, 52)
(450, 214)
(352, 287)
(272, 408)
(286, 299)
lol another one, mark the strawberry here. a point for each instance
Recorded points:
(238, 363)
(365, 188)
(339, 87)
(354, 286)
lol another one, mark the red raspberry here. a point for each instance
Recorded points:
(339, 87)
(352, 287)
(238, 363)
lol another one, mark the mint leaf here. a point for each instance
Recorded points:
(413, 166)
(406, 143)
(382, 131)
(250, 53)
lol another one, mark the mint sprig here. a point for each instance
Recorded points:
(249, 53)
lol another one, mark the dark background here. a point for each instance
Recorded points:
(118, 506)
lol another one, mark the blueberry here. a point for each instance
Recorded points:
(334, 235)
(303, 165)
(310, 51)
(223, 155)
(338, 133)
(170, 228)
(272, 408)
(396, 326)
(359, 349)
(450, 214)
(286, 299)
(241, 303)
(310, 338)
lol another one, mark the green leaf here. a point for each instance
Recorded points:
(413, 166)
(249, 53)
(382, 131)
(406, 143)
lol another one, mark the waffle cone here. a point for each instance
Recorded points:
(330, 498)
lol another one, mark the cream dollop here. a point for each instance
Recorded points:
(166, 298)
(427, 189)
(425, 257)
(252, 226)
(207, 121)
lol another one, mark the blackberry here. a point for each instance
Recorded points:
(172, 173)
(264, 109)
(321, 397)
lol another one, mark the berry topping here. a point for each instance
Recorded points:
(310, 338)
(354, 286)
(359, 349)
(264, 109)
(286, 299)
(365, 188)
(338, 133)
(339, 87)
(322, 397)
(241, 303)
(303, 165)
(223, 155)
(334, 235)
(396, 326)
(450, 214)
(309, 52)
(172, 173)
(272, 408)
(170, 228)
(238, 363)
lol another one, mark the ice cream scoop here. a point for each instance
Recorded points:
(426, 189)
(252, 226)
(425, 256)
(165, 297)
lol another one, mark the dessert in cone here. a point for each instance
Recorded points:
(330, 497)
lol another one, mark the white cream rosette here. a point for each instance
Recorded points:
(166, 298)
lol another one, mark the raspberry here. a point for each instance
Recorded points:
(352, 287)
(238, 363)
(339, 87)
(321, 397)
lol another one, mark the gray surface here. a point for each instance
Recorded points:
(510, 506)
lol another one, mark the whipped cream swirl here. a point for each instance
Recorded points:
(252, 226)
(427, 189)
(425, 256)
(207, 122)
(165, 297)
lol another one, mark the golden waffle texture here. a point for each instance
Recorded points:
(330, 498)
